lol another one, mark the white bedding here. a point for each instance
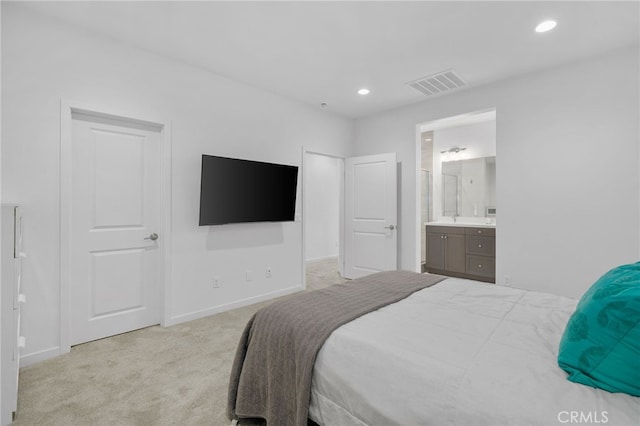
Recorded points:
(459, 353)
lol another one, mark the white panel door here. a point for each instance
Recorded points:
(115, 208)
(370, 214)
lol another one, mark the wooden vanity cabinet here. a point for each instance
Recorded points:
(465, 252)
(446, 248)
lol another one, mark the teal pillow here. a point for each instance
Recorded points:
(601, 343)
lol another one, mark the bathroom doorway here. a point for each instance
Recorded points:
(445, 149)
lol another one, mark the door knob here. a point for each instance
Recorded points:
(152, 237)
(390, 227)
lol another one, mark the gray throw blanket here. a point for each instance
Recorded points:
(272, 370)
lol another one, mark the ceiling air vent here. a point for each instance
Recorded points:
(437, 83)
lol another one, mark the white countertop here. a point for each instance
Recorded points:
(462, 224)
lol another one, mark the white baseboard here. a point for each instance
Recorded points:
(36, 357)
(178, 319)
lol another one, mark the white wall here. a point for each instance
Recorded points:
(44, 61)
(478, 138)
(322, 196)
(567, 169)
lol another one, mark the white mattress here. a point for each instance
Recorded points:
(459, 353)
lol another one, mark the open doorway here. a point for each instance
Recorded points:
(323, 182)
(455, 186)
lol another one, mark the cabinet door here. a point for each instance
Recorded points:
(435, 251)
(455, 254)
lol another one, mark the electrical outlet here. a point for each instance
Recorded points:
(507, 280)
(216, 282)
(268, 271)
(248, 275)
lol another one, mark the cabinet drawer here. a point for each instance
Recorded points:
(488, 232)
(435, 229)
(482, 266)
(484, 246)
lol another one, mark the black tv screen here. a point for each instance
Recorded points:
(238, 191)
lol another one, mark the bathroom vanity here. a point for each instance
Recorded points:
(461, 250)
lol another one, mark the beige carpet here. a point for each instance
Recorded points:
(155, 376)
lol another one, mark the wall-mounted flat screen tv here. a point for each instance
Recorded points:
(240, 191)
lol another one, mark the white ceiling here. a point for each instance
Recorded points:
(324, 51)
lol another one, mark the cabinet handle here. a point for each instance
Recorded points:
(479, 231)
(479, 245)
(445, 237)
(480, 266)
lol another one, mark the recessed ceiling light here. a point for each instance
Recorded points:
(545, 26)
(363, 91)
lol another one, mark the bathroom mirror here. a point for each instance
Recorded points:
(469, 187)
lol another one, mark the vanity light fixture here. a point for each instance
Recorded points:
(545, 26)
(454, 150)
(452, 154)
(363, 91)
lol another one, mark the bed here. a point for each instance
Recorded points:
(454, 352)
